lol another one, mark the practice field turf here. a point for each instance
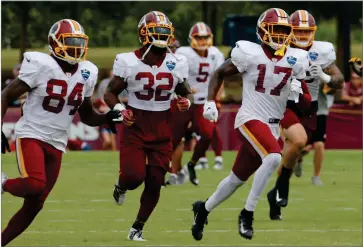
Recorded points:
(80, 211)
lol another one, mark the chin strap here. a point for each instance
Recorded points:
(280, 52)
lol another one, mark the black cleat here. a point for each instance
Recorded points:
(192, 174)
(200, 219)
(275, 210)
(245, 221)
(281, 198)
(282, 187)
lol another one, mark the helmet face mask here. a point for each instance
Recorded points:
(156, 29)
(66, 43)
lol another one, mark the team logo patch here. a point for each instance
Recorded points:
(85, 74)
(291, 60)
(170, 65)
(313, 55)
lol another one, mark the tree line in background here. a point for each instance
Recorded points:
(26, 24)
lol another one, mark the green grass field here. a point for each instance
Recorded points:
(104, 57)
(80, 211)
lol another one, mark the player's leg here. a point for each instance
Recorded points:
(106, 138)
(132, 170)
(216, 144)
(296, 137)
(319, 148)
(264, 140)
(176, 169)
(38, 162)
(159, 155)
(205, 129)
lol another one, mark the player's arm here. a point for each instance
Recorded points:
(225, 70)
(305, 97)
(11, 92)
(184, 96)
(335, 78)
(114, 88)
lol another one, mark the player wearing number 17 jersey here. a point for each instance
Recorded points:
(271, 74)
(203, 59)
(58, 86)
(150, 75)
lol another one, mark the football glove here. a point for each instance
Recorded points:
(182, 103)
(295, 90)
(126, 117)
(317, 72)
(356, 64)
(4, 143)
(210, 111)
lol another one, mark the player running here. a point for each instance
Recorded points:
(151, 75)
(203, 59)
(299, 125)
(58, 85)
(272, 74)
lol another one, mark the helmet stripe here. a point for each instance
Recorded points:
(303, 16)
(76, 25)
(157, 15)
(71, 24)
(307, 16)
(161, 16)
(202, 27)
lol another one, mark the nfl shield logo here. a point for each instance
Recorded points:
(85, 74)
(170, 65)
(291, 60)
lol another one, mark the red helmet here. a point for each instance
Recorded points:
(303, 28)
(67, 41)
(200, 36)
(156, 29)
(274, 28)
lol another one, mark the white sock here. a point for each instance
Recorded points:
(224, 190)
(203, 159)
(262, 176)
(219, 159)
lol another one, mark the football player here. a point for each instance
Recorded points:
(151, 75)
(272, 73)
(203, 59)
(58, 85)
(299, 125)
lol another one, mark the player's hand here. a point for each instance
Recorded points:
(210, 111)
(128, 117)
(113, 117)
(317, 72)
(182, 103)
(4, 143)
(295, 90)
(356, 64)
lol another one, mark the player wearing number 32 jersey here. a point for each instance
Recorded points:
(58, 86)
(150, 75)
(272, 73)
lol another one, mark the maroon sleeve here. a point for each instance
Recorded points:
(305, 98)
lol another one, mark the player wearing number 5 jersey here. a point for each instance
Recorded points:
(271, 74)
(58, 86)
(203, 59)
(151, 76)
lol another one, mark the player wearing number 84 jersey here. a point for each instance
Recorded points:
(271, 74)
(58, 86)
(151, 76)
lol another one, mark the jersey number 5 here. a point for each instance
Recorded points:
(74, 98)
(277, 70)
(149, 87)
(203, 75)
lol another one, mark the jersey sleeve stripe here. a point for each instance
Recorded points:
(20, 158)
(254, 142)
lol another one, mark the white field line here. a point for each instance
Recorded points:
(207, 231)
